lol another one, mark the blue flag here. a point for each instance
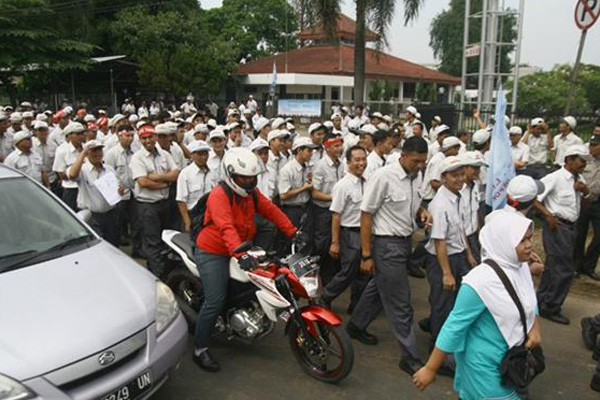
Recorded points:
(501, 168)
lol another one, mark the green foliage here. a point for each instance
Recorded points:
(381, 90)
(255, 28)
(446, 37)
(426, 92)
(546, 92)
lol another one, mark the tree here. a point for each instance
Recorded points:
(176, 52)
(446, 37)
(375, 14)
(30, 40)
(546, 92)
(255, 27)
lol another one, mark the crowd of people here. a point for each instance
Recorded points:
(358, 186)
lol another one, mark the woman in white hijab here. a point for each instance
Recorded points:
(485, 321)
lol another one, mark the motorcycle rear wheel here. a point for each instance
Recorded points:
(318, 356)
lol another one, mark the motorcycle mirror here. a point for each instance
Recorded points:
(243, 247)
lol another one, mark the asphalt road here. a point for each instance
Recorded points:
(269, 371)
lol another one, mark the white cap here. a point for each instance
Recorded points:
(201, 128)
(233, 111)
(212, 123)
(92, 144)
(277, 122)
(162, 129)
(368, 129)
(198, 145)
(290, 127)
(412, 110)
(418, 115)
(450, 142)
(303, 141)
(523, 188)
(377, 114)
(537, 121)
(438, 118)
(73, 127)
(383, 126)
(21, 135)
(335, 115)
(315, 126)
(261, 123)
(140, 124)
(41, 117)
(328, 124)
(16, 117)
(40, 125)
(133, 119)
(451, 163)
(481, 136)
(515, 130)
(27, 114)
(580, 150)
(116, 118)
(443, 128)
(68, 110)
(232, 126)
(25, 104)
(89, 118)
(258, 144)
(388, 119)
(277, 134)
(217, 134)
(247, 111)
(571, 121)
(3, 117)
(473, 159)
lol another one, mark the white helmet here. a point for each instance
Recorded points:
(572, 122)
(240, 161)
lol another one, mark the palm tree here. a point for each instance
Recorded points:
(379, 13)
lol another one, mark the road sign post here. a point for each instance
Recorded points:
(586, 15)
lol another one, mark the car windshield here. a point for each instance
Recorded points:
(33, 223)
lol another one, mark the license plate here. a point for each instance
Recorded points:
(133, 389)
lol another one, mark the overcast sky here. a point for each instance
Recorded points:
(550, 35)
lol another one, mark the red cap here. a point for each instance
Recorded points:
(102, 121)
(146, 131)
(58, 116)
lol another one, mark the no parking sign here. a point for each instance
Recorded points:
(587, 13)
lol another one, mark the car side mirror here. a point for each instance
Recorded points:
(84, 215)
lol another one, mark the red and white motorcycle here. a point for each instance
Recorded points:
(257, 298)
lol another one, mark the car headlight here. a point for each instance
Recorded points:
(13, 390)
(166, 307)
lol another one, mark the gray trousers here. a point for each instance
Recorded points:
(154, 217)
(107, 226)
(349, 273)
(322, 242)
(559, 267)
(587, 258)
(295, 214)
(389, 290)
(474, 242)
(442, 301)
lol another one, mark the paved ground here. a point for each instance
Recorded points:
(269, 371)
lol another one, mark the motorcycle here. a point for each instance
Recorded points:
(257, 298)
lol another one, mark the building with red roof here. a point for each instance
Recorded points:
(324, 69)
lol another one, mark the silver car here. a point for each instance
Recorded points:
(78, 318)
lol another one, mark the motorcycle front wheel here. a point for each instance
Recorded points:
(188, 293)
(328, 355)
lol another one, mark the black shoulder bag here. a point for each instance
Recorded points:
(520, 364)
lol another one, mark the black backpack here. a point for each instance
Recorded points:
(197, 213)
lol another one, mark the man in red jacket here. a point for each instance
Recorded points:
(229, 222)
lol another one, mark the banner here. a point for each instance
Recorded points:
(299, 107)
(501, 168)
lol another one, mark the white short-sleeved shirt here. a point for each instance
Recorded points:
(30, 164)
(88, 196)
(393, 198)
(538, 148)
(560, 197)
(463, 147)
(110, 141)
(325, 175)
(55, 139)
(447, 218)
(47, 153)
(274, 166)
(520, 152)
(266, 183)
(193, 183)
(317, 155)
(66, 154)
(432, 172)
(434, 148)
(293, 176)
(144, 163)
(561, 144)
(215, 164)
(346, 199)
(177, 153)
(6, 144)
(470, 199)
(374, 162)
(119, 158)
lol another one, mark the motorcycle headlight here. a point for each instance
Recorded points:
(311, 284)
(13, 390)
(166, 307)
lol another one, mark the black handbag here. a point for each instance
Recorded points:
(520, 364)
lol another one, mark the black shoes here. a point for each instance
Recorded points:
(425, 325)
(588, 333)
(593, 276)
(206, 362)
(557, 317)
(410, 365)
(595, 384)
(361, 335)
